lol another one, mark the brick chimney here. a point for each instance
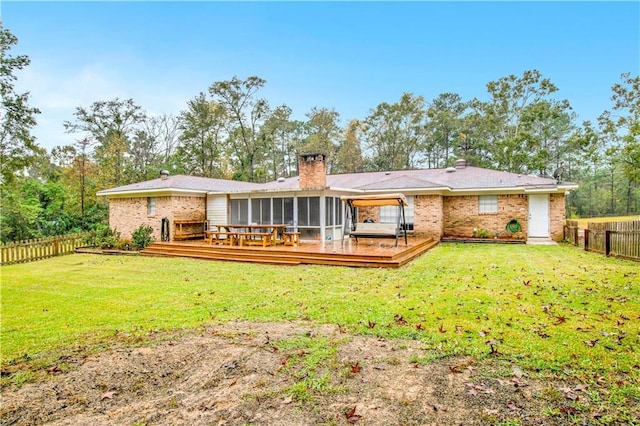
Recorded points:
(312, 171)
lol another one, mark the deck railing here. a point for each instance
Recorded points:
(27, 251)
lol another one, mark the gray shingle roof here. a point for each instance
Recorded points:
(187, 183)
(467, 178)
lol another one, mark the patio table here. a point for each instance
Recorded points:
(252, 234)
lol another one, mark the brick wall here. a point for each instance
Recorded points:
(428, 216)
(312, 171)
(461, 216)
(126, 214)
(557, 207)
(369, 212)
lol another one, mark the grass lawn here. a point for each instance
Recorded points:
(552, 310)
(583, 223)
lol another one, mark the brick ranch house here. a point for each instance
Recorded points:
(453, 202)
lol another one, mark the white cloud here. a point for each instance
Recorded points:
(58, 90)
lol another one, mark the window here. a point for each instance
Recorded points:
(151, 206)
(309, 211)
(487, 204)
(239, 211)
(389, 214)
(261, 211)
(283, 211)
(333, 210)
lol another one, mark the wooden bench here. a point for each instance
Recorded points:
(186, 229)
(376, 230)
(220, 237)
(255, 238)
(291, 238)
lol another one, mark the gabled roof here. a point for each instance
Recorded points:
(463, 179)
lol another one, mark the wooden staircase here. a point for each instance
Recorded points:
(361, 255)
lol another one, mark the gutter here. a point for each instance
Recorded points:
(153, 192)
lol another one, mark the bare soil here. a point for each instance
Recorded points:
(234, 373)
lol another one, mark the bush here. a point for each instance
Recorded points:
(481, 233)
(141, 237)
(102, 236)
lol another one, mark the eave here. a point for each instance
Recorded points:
(159, 192)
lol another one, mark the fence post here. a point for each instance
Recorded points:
(586, 240)
(56, 250)
(607, 242)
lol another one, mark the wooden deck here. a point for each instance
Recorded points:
(366, 253)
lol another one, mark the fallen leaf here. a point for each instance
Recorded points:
(458, 329)
(419, 327)
(514, 406)
(53, 369)
(560, 319)
(400, 320)
(527, 283)
(460, 366)
(356, 367)
(439, 407)
(519, 383)
(233, 383)
(287, 400)
(517, 372)
(591, 343)
(371, 324)
(351, 416)
(108, 395)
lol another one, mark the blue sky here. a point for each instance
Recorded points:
(349, 56)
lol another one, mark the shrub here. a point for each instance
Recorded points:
(102, 236)
(141, 237)
(481, 233)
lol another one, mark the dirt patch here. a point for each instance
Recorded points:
(277, 374)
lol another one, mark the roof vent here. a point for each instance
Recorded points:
(450, 169)
(387, 173)
(164, 174)
(461, 163)
(280, 179)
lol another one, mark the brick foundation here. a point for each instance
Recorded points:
(127, 214)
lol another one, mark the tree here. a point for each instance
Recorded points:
(323, 134)
(281, 151)
(17, 146)
(246, 116)
(394, 134)
(445, 124)
(626, 98)
(520, 124)
(203, 126)
(349, 154)
(111, 124)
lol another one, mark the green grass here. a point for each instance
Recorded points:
(584, 222)
(553, 309)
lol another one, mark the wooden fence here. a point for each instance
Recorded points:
(619, 239)
(26, 251)
(571, 233)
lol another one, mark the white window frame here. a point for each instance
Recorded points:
(151, 206)
(389, 214)
(487, 204)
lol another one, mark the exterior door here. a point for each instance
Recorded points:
(539, 215)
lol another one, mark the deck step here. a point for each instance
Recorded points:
(354, 256)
